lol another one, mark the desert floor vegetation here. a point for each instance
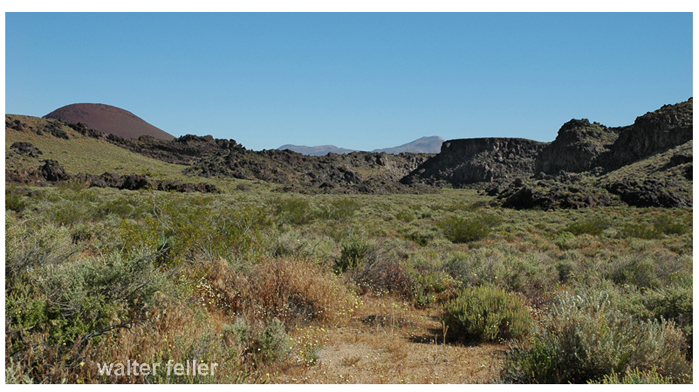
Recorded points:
(279, 287)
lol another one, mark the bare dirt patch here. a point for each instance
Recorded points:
(388, 341)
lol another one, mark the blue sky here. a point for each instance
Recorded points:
(355, 80)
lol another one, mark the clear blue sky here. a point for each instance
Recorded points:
(360, 81)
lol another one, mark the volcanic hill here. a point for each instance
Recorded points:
(108, 119)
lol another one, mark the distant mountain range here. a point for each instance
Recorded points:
(427, 144)
(108, 119)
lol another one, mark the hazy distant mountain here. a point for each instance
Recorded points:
(428, 144)
(315, 150)
(108, 119)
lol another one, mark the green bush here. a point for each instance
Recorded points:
(636, 270)
(649, 269)
(296, 211)
(462, 230)
(15, 202)
(635, 376)
(667, 225)
(260, 343)
(675, 303)
(642, 231)
(405, 216)
(353, 253)
(527, 273)
(272, 344)
(585, 339)
(486, 313)
(421, 237)
(592, 226)
(340, 210)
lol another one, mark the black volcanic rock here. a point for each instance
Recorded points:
(578, 147)
(468, 161)
(656, 131)
(652, 193)
(52, 171)
(25, 148)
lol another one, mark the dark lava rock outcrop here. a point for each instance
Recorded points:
(356, 172)
(25, 148)
(653, 193)
(52, 173)
(567, 190)
(580, 146)
(469, 161)
(667, 127)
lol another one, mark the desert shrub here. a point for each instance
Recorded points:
(238, 334)
(296, 211)
(529, 274)
(635, 376)
(585, 339)
(13, 374)
(649, 269)
(434, 287)
(672, 225)
(293, 291)
(272, 344)
(294, 244)
(421, 237)
(80, 233)
(70, 212)
(56, 311)
(15, 202)
(181, 228)
(122, 207)
(83, 298)
(28, 248)
(675, 303)
(486, 313)
(405, 216)
(566, 240)
(460, 230)
(639, 271)
(353, 253)
(383, 275)
(592, 226)
(340, 210)
(262, 343)
(566, 271)
(637, 230)
(490, 219)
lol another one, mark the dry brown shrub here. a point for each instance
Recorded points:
(296, 292)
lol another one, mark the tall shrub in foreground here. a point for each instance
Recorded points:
(486, 313)
(586, 340)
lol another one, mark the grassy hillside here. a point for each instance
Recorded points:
(83, 154)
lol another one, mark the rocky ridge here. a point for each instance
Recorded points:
(468, 161)
(648, 163)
